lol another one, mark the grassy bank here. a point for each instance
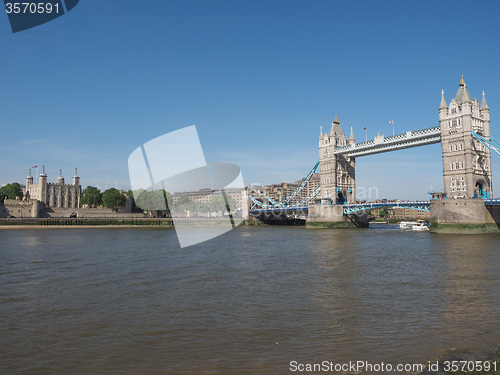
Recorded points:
(329, 224)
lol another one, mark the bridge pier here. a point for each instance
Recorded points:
(332, 216)
(464, 216)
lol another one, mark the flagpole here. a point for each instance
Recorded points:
(366, 135)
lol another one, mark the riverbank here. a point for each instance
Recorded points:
(96, 223)
(75, 222)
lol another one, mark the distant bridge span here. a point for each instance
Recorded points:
(381, 144)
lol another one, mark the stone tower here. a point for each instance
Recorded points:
(75, 198)
(466, 161)
(29, 180)
(43, 186)
(336, 171)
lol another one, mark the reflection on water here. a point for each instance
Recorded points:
(114, 301)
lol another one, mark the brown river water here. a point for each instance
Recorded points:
(131, 301)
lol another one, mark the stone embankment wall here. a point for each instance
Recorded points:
(36, 209)
(464, 216)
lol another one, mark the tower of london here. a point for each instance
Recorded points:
(58, 195)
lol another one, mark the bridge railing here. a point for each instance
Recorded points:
(492, 202)
(415, 205)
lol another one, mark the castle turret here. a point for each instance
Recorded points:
(29, 179)
(60, 178)
(43, 186)
(76, 178)
(75, 198)
(26, 190)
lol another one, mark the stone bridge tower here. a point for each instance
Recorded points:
(336, 171)
(466, 161)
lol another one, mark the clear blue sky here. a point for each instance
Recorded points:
(257, 78)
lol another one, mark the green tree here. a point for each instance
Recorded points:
(218, 203)
(92, 197)
(113, 198)
(182, 203)
(157, 200)
(10, 191)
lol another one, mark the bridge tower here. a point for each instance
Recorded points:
(466, 161)
(337, 172)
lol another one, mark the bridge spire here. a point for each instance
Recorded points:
(484, 105)
(463, 95)
(443, 104)
(351, 138)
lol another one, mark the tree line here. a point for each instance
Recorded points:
(11, 191)
(157, 200)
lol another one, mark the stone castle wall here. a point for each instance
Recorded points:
(35, 209)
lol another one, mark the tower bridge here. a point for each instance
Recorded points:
(466, 142)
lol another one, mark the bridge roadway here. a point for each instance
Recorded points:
(352, 208)
(349, 208)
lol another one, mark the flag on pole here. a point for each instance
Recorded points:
(36, 166)
(391, 122)
(364, 128)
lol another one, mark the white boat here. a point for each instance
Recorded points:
(421, 226)
(407, 224)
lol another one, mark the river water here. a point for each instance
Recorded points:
(131, 301)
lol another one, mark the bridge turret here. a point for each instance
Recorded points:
(337, 172)
(443, 107)
(484, 112)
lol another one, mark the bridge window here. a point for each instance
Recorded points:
(461, 146)
(456, 147)
(453, 110)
